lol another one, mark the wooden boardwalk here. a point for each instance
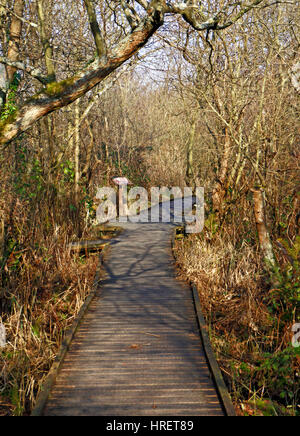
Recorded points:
(138, 350)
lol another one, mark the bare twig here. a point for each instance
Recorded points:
(19, 18)
(32, 71)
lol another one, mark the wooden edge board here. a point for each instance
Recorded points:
(88, 245)
(44, 393)
(220, 385)
(212, 361)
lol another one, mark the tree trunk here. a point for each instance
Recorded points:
(7, 73)
(220, 187)
(3, 85)
(87, 171)
(2, 237)
(14, 37)
(48, 52)
(3, 79)
(190, 152)
(77, 150)
(295, 218)
(263, 234)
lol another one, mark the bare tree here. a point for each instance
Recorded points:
(138, 21)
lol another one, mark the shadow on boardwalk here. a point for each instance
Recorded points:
(138, 350)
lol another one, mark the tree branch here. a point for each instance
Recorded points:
(245, 9)
(130, 14)
(143, 3)
(45, 42)
(194, 16)
(98, 38)
(30, 23)
(33, 72)
(59, 94)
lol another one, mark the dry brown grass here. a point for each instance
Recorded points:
(42, 309)
(233, 294)
(42, 288)
(226, 278)
(44, 302)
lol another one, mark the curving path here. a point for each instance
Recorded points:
(138, 350)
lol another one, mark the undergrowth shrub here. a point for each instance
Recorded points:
(250, 324)
(42, 284)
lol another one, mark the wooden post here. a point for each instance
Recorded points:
(121, 200)
(122, 183)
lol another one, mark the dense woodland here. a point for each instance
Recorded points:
(168, 94)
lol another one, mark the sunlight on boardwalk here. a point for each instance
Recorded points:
(138, 350)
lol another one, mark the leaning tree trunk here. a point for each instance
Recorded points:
(56, 95)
